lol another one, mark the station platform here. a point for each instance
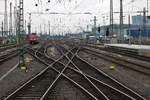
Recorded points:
(140, 49)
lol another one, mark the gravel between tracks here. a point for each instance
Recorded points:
(17, 77)
(5, 66)
(64, 90)
(132, 79)
(53, 52)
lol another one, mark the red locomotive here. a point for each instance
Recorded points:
(33, 38)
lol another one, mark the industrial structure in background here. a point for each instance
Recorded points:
(111, 16)
(10, 22)
(21, 34)
(5, 20)
(137, 32)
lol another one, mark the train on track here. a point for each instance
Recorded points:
(33, 38)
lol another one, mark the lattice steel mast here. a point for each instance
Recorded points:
(21, 34)
(15, 19)
(5, 20)
(121, 21)
(10, 20)
(111, 16)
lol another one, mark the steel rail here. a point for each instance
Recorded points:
(2, 48)
(138, 64)
(32, 53)
(102, 83)
(131, 92)
(138, 68)
(89, 94)
(70, 81)
(84, 74)
(5, 45)
(7, 56)
(65, 68)
(32, 79)
(130, 53)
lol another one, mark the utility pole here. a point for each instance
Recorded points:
(5, 20)
(147, 7)
(44, 29)
(15, 19)
(25, 25)
(111, 16)
(121, 21)
(21, 16)
(129, 25)
(144, 18)
(17, 25)
(95, 24)
(144, 21)
(87, 28)
(49, 28)
(147, 18)
(40, 31)
(21, 37)
(29, 24)
(14, 22)
(10, 21)
(2, 28)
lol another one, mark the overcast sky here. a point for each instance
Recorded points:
(72, 21)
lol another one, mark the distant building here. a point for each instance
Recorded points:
(116, 30)
(138, 20)
(134, 30)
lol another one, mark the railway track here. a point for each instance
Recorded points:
(87, 83)
(76, 81)
(7, 55)
(7, 52)
(5, 47)
(35, 87)
(28, 91)
(122, 62)
(132, 53)
(105, 84)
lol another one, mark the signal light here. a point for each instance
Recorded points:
(107, 32)
(99, 29)
(36, 4)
